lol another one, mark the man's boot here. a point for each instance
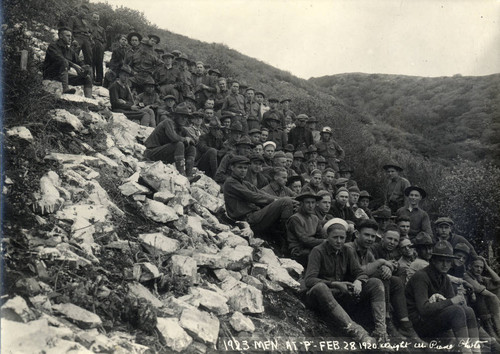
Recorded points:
(87, 91)
(406, 330)
(487, 324)
(65, 84)
(180, 165)
(351, 328)
(495, 317)
(189, 170)
(380, 333)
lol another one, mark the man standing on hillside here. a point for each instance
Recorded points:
(330, 149)
(81, 32)
(395, 189)
(99, 37)
(59, 58)
(300, 136)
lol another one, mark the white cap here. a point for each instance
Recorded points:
(335, 221)
(269, 142)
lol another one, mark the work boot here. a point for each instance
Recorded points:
(406, 330)
(392, 330)
(69, 91)
(352, 329)
(487, 324)
(189, 170)
(380, 333)
(180, 165)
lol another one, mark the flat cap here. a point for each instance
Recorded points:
(245, 140)
(423, 238)
(392, 165)
(298, 155)
(239, 159)
(306, 195)
(279, 154)
(444, 220)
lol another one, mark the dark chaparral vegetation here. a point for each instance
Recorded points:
(437, 128)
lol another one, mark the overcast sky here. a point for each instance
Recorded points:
(325, 37)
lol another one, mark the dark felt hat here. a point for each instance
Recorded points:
(245, 140)
(286, 100)
(462, 247)
(236, 126)
(181, 110)
(214, 71)
(132, 34)
(168, 55)
(422, 192)
(303, 196)
(365, 194)
(253, 131)
(443, 249)
(298, 155)
(354, 189)
(183, 56)
(256, 157)
(341, 181)
(312, 148)
(393, 165)
(170, 97)
(196, 115)
(159, 50)
(293, 179)
(383, 212)
(154, 36)
(423, 238)
(273, 117)
(272, 99)
(289, 148)
(444, 220)
(239, 159)
(260, 93)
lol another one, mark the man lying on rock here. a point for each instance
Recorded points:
(60, 58)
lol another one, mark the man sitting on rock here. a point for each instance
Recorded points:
(60, 58)
(444, 233)
(303, 229)
(169, 142)
(243, 148)
(244, 202)
(254, 174)
(277, 186)
(336, 283)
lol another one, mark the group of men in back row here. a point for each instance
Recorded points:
(288, 180)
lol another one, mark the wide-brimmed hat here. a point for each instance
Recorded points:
(303, 196)
(239, 159)
(146, 41)
(256, 157)
(384, 212)
(214, 71)
(253, 131)
(167, 55)
(158, 40)
(176, 53)
(365, 194)
(422, 239)
(444, 220)
(170, 97)
(236, 126)
(289, 148)
(443, 249)
(182, 110)
(393, 165)
(422, 192)
(286, 100)
(127, 69)
(132, 34)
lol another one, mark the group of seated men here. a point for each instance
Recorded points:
(289, 182)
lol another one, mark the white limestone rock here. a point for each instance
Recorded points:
(78, 315)
(209, 201)
(172, 334)
(201, 325)
(275, 271)
(229, 239)
(21, 133)
(162, 177)
(241, 323)
(208, 185)
(67, 120)
(211, 301)
(16, 309)
(185, 266)
(107, 160)
(191, 225)
(131, 188)
(72, 158)
(292, 266)
(49, 199)
(145, 271)
(159, 243)
(222, 274)
(140, 291)
(238, 257)
(243, 297)
(164, 196)
(159, 212)
(213, 261)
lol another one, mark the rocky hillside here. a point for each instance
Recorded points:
(106, 252)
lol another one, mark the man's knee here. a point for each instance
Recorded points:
(396, 283)
(320, 291)
(457, 314)
(179, 148)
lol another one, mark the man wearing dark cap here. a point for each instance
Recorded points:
(285, 109)
(99, 37)
(244, 202)
(117, 59)
(243, 148)
(314, 185)
(276, 133)
(444, 233)
(340, 208)
(364, 203)
(295, 183)
(122, 100)
(298, 163)
(300, 136)
(419, 219)
(432, 304)
(303, 228)
(254, 174)
(259, 98)
(423, 246)
(59, 58)
(154, 39)
(277, 185)
(185, 85)
(330, 149)
(169, 142)
(159, 52)
(234, 105)
(396, 186)
(254, 135)
(143, 62)
(80, 28)
(383, 217)
(311, 153)
(207, 157)
(134, 40)
(273, 112)
(166, 109)
(233, 135)
(167, 77)
(252, 108)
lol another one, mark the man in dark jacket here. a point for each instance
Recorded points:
(59, 58)
(80, 28)
(99, 37)
(300, 136)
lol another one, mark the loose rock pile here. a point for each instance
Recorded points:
(185, 274)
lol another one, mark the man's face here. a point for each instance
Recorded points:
(462, 258)
(209, 113)
(227, 123)
(342, 198)
(269, 151)
(123, 41)
(382, 224)
(149, 88)
(297, 162)
(404, 228)
(285, 105)
(301, 122)
(442, 264)
(296, 187)
(134, 41)
(329, 178)
(311, 165)
(311, 125)
(364, 203)
(273, 123)
(325, 137)
(256, 166)
(250, 94)
(390, 240)
(123, 76)
(315, 179)
(210, 103)
(273, 104)
(244, 149)
(200, 69)
(264, 134)
(258, 149)
(289, 162)
(406, 251)
(181, 120)
(280, 178)
(321, 166)
(325, 203)
(443, 231)
(255, 137)
(367, 237)
(336, 238)
(414, 198)
(288, 120)
(392, 173)
(477, 267)
(259, 99)
(309, 205)
(279, 162)
(345, 174)
(239, 169)
(424, 252)
(95, 18)
(168, 61)
(353, 198)
(66, 37)
(183, 64)
(170, 102)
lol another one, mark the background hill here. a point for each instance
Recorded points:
(425, 124)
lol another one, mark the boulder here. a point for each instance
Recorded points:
(21, 133)
(292, 266)
(41, 302)
(177, 305)
(206, 199)
(201, 325)
(141, 292)
(182, 198)
(159, 243)
(213, 261)
(211, 301)
(131, 188)
(163, 177)
(281, 276)
(172, 334)
(145, 271)
(164, 196)
(106, 160)
(243, 297)
(208, 185)
(209, 217)
(259, 269)
(185, 266)
(191, 225)
(67, 120)
(270, 285)
(238, 257)
(222, 274)
(241, 323)
(17, 310)
(49, 200)
(72, 158)
(78, 315)
(229, 239)
(253, 281)
(159, 212)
